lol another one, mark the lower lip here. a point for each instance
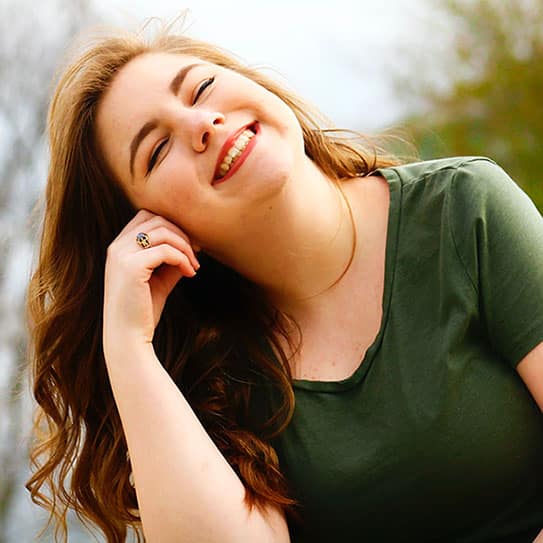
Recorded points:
(240, 159)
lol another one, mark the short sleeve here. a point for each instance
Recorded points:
(498, 234)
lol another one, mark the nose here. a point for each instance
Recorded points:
(204, 127)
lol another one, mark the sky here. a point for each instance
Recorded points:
(340, 54)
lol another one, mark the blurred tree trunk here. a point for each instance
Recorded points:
(481, 94)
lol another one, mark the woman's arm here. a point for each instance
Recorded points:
(530, 369)
(186, 489)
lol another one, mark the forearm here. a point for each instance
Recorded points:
(186, 489)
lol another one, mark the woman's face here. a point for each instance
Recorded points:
(164, 127)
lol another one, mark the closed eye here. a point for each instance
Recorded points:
(202, 88)
(155, 155)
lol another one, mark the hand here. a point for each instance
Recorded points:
(138, 281)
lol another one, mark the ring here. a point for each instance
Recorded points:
(142, 239)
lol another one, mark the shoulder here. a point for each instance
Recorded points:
(444, 169)
(481, 189)
(467, 185)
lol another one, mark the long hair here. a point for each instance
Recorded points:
(215, 333)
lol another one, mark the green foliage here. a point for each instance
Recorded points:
(492, 101)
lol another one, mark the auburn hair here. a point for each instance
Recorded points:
(220, 359)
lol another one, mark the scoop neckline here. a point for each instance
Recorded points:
(393, 222)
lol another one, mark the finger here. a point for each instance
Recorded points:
(146, 222)
(146, 219)
(154, 257)
(156, 221)
(163, 234)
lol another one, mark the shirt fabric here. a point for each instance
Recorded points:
(434, 438)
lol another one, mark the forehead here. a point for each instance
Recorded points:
(150, 73)
(155, 65)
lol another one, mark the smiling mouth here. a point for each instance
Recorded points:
(235, 151)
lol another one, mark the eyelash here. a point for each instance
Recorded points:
(154, 156)
(203, 87)
(156, 153)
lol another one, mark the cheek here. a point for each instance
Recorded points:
(176, 197)
(176, 181)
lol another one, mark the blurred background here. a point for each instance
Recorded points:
(457, 77)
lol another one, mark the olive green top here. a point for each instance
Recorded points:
(434, 438)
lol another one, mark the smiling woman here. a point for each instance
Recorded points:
(192, 127)
(248, 326)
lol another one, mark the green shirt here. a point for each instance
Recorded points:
(434, 438)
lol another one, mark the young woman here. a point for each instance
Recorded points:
(247, 327)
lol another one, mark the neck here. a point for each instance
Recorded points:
(298, 246)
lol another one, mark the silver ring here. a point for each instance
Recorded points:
(142, 239)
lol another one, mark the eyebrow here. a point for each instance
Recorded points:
(149, 126)
(177, 81)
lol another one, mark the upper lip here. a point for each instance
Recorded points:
(227, 145)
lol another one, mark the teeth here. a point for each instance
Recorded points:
(237, 148)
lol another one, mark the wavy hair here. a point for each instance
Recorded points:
(220, 359)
